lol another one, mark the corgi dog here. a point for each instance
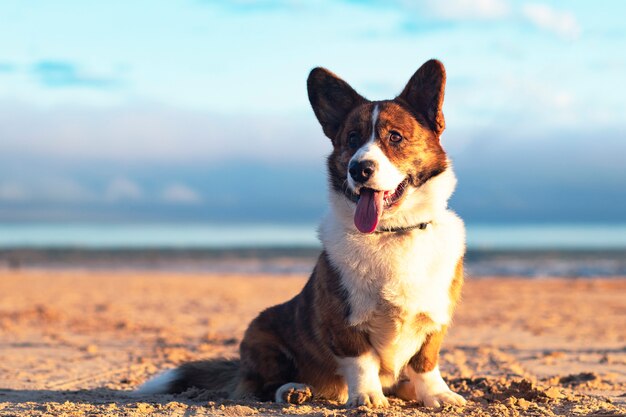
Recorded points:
(371, 318)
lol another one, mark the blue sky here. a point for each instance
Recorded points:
(187, 109)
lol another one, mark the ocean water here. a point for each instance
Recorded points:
(156, 235)
(493, 250)
(232, 236)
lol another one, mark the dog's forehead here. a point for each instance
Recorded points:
(391, 113)
(386, 113)
(362, 115)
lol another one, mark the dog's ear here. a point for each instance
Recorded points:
(332, 99)
(424, 93)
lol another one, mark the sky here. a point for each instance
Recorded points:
(197, 109)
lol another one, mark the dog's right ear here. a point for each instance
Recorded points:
(332, 99)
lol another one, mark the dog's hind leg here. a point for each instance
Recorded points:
(266, 363)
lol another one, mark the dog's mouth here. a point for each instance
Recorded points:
(371, 204)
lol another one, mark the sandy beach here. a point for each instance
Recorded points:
(78, 342)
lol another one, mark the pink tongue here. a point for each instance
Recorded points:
(369, 208)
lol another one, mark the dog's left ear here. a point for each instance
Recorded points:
(424, 93)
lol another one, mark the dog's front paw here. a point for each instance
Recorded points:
(432, 390)
(293, 393)
(369, 399)
(438, 399)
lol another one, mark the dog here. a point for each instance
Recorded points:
(371, 318)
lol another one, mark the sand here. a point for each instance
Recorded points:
(77, 342)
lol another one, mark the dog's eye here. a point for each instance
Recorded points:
(353, 139)
(395, 137)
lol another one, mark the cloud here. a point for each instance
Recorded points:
(447, 10)
(562, 23)
(54, 73)
(65, 190)
(496, 184)
(180, 194)
(74, 189)
(421, 16)
(13, 192)
(46, 189)
(152, 132)
(468, 9)
(123, 189)
(41, 187)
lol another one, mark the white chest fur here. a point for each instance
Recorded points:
(411, 272)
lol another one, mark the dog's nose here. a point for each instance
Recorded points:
(362, 171)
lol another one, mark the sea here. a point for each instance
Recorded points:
(529, 250)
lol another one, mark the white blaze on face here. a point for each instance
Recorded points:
(386, 177)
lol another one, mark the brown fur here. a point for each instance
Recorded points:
(428, 356)
(457, 285)
(419, 155)
(215, 374)
(332, 99)
(424, 94)
(309, 330)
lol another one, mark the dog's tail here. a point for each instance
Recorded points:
(214, 374)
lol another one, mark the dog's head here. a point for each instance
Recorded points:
(384, 151)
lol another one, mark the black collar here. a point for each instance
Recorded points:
(420, 226)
